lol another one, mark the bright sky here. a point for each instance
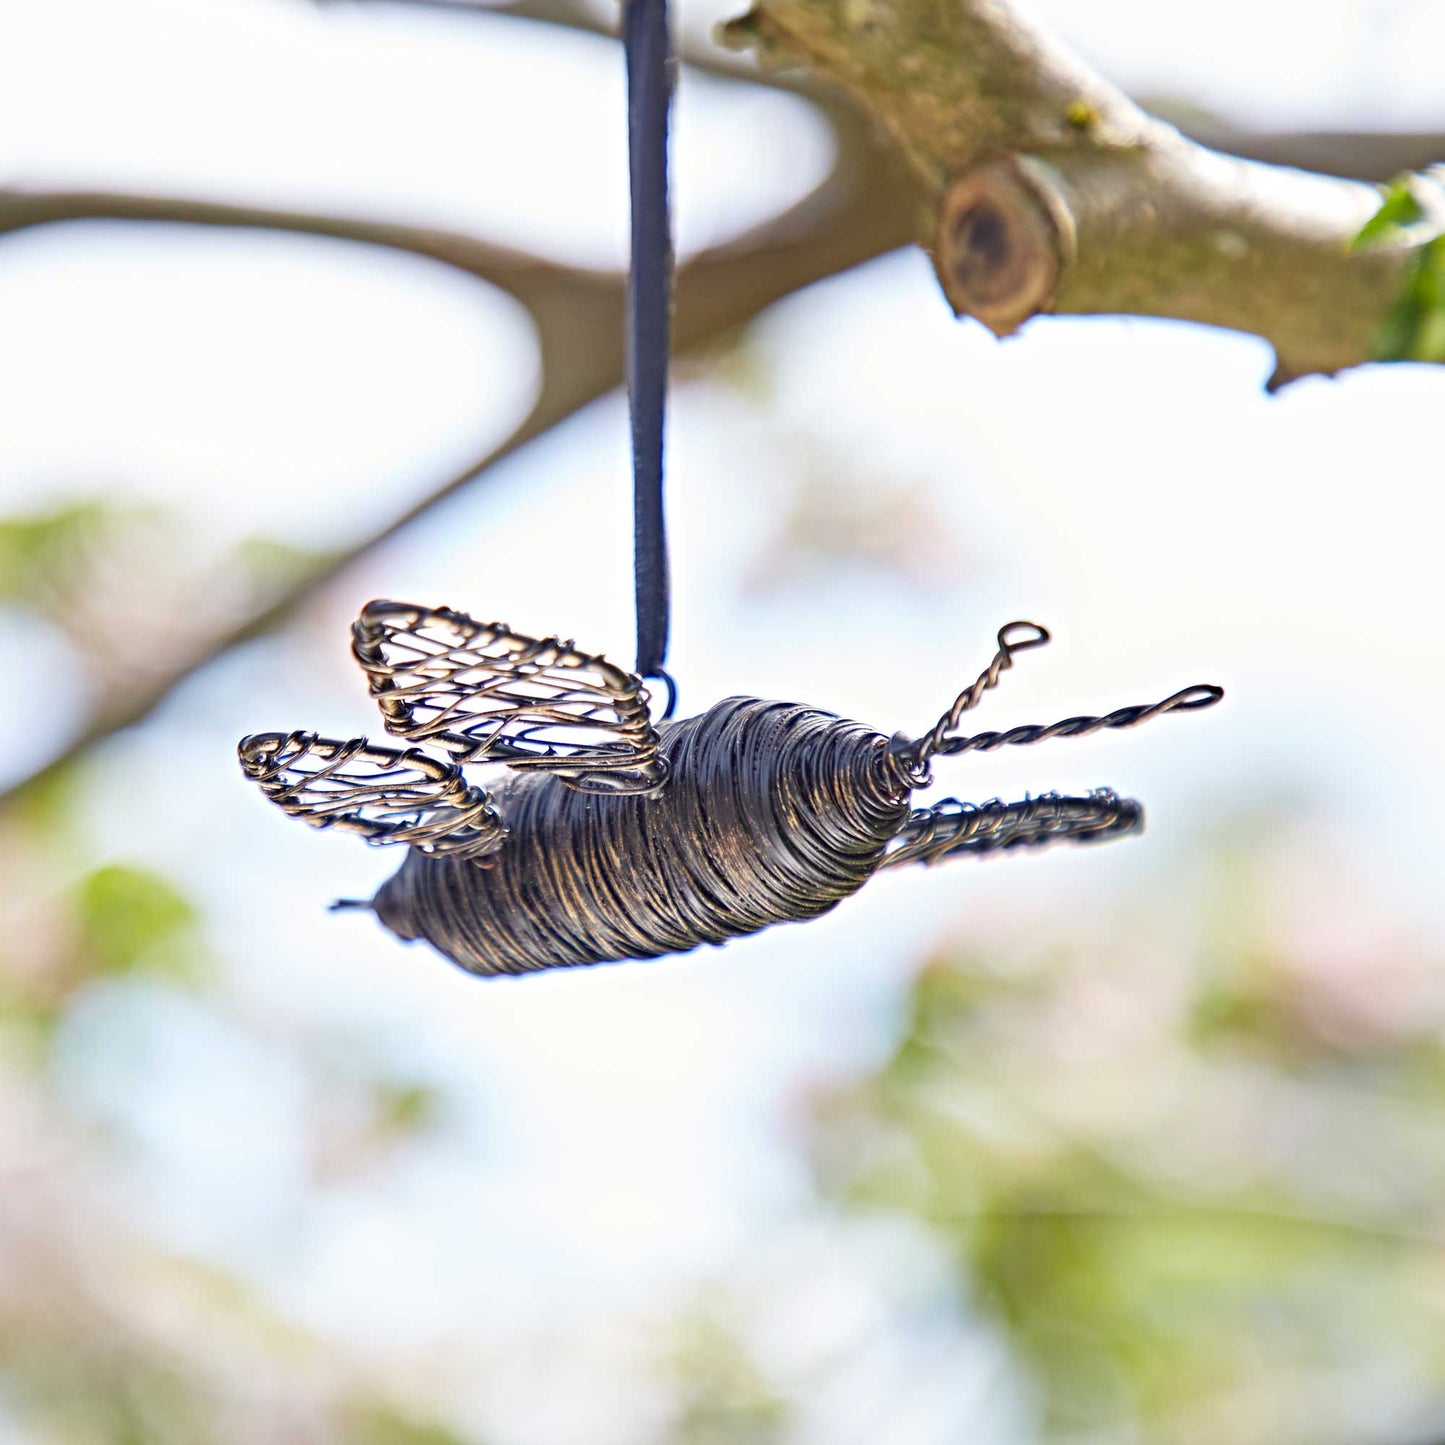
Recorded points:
(1127, 483)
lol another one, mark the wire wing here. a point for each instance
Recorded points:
(488, 694)
(384, 795)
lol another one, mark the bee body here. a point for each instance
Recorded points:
(773, 812)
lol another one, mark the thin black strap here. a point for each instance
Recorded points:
(649, 93)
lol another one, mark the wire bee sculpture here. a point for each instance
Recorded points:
(610, 837)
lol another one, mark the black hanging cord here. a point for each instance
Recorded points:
(648, 49)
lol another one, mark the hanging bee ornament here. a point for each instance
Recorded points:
(609, 837)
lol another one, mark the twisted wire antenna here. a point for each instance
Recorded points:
(912, 757)
(1202, 694)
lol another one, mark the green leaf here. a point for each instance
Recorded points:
(45, 806)
(1414, 330)
(405, 1108)
(133, 921)
(381, 1425)
(270, 565)
(1399, 210)
(38, 549)
(723, 1395)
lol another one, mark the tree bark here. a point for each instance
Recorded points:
(1031, 206)
(1047, 190)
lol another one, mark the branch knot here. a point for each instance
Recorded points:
(1000, 245)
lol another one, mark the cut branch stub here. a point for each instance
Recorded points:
(1049, 190)
(1000, 246)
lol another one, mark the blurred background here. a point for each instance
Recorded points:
(1138, 1144)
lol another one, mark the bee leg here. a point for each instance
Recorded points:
(950, 827)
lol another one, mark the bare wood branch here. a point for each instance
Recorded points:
(867, 206)
(1355, 155)
(859, 212)
(1050, 190)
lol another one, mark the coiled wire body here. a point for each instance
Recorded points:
(773, 812)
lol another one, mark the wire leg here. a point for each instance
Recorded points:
(950, 827)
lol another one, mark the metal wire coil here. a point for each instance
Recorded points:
(774, 812)
(951, 827)
(486, 693)
(911, 755)
(384, 795)
(608, 837)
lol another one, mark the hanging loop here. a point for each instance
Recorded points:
(648, 47)
(666, 679)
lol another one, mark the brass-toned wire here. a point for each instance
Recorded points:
(382, 795)
(607, 837)
(950, 827)
(483, 692)
(911, 756)
(1013, 637)
(773, 813)
(1187, 699)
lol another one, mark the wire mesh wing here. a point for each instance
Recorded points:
(488, 694)
(950, 827)
(384, 795)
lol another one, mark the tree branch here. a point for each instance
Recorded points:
(1049, 190)
(866, 207)
(1356, 155)
(857, 213)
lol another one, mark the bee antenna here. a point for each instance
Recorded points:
(912, 755)
(1188, 699)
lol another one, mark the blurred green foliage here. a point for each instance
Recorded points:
(102, 1393)
(383, 1425)
(45, 552)
(405, 1107)
(105, 1339)
(1399, 211)
(37, 551)
(1415, 327)
(69, 921)
(269, 566)
(139, 590)
(1240, 1200)
(114, 920)
(1189, 1161)
(131, 920)
(725, 1396)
